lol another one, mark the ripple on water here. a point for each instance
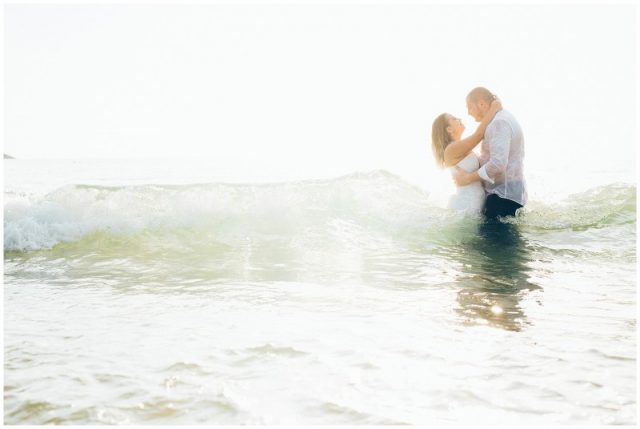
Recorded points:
(270, 349)
(186, 367)
(33, 412)
(333, 413)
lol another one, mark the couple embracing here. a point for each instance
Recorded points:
(491, 183)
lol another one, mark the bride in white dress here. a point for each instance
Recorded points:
(450, 149)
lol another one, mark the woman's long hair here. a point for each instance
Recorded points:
(440, 137)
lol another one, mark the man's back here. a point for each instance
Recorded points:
(502, 156)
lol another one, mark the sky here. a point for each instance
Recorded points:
(349, 85)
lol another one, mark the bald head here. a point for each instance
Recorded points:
(478, 102)
(480, 93)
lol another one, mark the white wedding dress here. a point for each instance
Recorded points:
(470, 198)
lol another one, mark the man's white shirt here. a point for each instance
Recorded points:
(502, 159)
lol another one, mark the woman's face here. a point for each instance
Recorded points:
(455, 127)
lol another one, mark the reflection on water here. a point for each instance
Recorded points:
(195, 326)
(494, 276)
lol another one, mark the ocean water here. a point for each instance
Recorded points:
(148, 292)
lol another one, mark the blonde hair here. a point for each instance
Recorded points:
(440, 137)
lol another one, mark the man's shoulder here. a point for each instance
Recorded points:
(503, 117)
(507, 116)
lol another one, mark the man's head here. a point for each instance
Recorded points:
(478, 102)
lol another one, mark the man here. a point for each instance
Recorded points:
(501, 159)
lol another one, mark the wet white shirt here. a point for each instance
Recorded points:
(501, 159)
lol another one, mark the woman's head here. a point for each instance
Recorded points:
(446, 128)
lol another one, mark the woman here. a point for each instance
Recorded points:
(449, 150)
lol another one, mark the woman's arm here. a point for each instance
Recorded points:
(457, 150)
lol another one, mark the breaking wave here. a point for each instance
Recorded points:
(363, 208)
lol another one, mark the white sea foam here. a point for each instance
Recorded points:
(377, 201)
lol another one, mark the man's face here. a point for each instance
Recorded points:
(476, 110)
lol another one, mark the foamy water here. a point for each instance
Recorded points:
(142, 293)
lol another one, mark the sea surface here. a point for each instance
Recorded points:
(165, 292)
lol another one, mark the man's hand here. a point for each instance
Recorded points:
(496, 106)
(461, 177)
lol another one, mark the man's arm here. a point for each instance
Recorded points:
(498, 157)
(498, 152)
(462, 178)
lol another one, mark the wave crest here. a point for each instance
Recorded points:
(361, 206)
(598, 207)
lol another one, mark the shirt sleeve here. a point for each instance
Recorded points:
(499, 152)
(482, 172)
